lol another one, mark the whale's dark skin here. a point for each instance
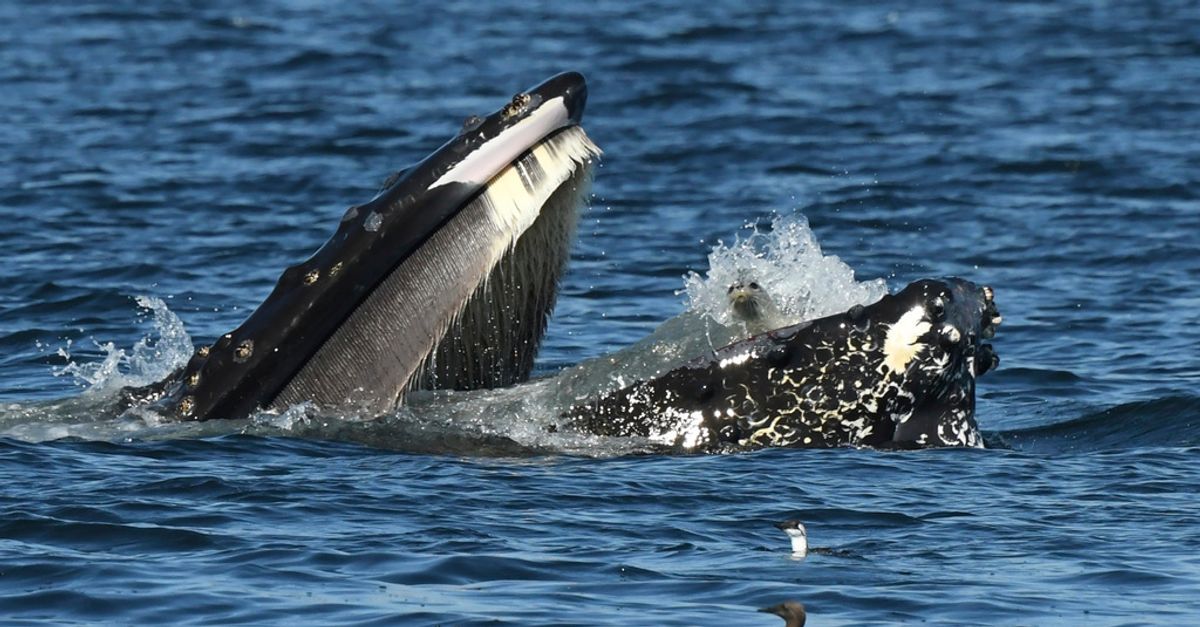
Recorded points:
(248, 368)
(899, 373)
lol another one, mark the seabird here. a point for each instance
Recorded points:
(799, 535)
(792, 612)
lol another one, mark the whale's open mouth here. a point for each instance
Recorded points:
(897, 373)
(445, 279)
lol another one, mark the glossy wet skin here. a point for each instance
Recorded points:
(248, 367)
(897, 373)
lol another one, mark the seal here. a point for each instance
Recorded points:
(750, 304)
(899, 373)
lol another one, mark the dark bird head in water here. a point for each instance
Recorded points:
(792, 613)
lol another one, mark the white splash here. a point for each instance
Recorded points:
(788, 262)
(290, 419)
(150, 359)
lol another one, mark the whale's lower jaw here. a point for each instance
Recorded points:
(467, 310)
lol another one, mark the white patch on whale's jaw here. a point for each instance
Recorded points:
(903, 341)
(495, 156)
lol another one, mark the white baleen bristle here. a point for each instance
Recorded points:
(530, 208)
(510, 203)
(514, 197)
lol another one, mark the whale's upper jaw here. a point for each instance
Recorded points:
(934, 350)
(246, 369)
(486, 145)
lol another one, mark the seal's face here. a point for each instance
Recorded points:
(746, 298)
(898, 373)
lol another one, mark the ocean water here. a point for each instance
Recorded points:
(163, 162)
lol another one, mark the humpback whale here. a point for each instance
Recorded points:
(899, 373)
(445, 279)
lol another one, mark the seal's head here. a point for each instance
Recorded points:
(799, 535)
(748, 300)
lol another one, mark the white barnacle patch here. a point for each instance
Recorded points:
(903, 339)
(373, 222)
(243, 351)
(736, 360)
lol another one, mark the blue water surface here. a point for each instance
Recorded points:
(189, 153)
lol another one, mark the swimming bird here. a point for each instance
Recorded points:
(799, 535)
(753, 307)
(792, 613)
